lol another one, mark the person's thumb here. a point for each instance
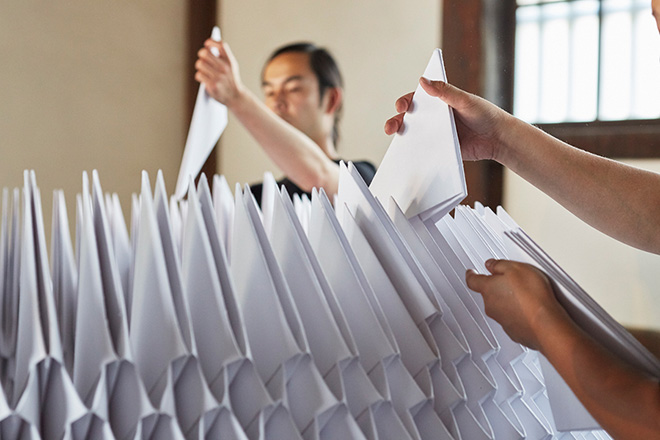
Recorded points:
(476, 281)
(451, 95)
(434, 88)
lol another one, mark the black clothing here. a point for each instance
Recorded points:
(366, 169)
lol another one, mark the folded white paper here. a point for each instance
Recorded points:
(209, 120)
(422, 169)
(300, 321)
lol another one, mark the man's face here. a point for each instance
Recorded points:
(291, 91)
(655, 5)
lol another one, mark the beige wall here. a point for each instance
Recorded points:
(624, 280)
(381, 47)
(91, 85)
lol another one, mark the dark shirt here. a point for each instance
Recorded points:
(366, 169)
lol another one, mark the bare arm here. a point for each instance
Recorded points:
(619, 200)
(650, 339)
(291, 150)
(625, 401)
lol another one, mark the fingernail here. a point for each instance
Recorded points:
(426, 80)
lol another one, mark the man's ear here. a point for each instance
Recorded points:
(332, 99)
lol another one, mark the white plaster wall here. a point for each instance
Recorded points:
(382, 49)
(91, 85)
(622, 279)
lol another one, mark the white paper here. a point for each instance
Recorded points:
(212, 329)
(173, 262)
(112, 285)
(392, 252)
(223, 201)
(416, 351)
(44, 282)
(65, 277)
(288, 242)
(325, 236)
(61, 405)
(10, 259)
(189, 394)
(155, 334)
(383, 423)
(93, 341)
(31, 345)
(247, 395)
(422, 169)
(121, 398)
(122, 247)
(221, 259)
(209, 120)
(281, 286)
(326, 288)
(268, 332)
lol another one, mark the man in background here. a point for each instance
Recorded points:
(298, 123)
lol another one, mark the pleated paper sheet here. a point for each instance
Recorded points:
(211, 318)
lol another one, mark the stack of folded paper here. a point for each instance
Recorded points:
(218, 320)
(305, 319)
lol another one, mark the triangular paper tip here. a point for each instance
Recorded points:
(215, 33)
(435, 68)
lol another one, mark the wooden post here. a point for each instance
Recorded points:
(201, 19)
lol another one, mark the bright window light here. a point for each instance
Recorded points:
(586, 60)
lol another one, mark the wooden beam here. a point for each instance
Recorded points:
(613, 139)
(479, 63)
(462, 43)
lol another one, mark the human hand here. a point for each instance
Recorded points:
(219, 74)
(519, 297)
(479, 123)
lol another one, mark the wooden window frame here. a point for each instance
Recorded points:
(629, 139)
(478, 41)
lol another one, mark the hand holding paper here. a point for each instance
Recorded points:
(422, 169)
(208, 122)
(507, 301)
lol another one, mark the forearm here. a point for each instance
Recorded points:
(292, 151)
(650, 339)
(619, 200)
(623, 400)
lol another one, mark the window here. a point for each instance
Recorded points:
(479, 42)
(586, 60)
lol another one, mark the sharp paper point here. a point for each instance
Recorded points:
(215, 34)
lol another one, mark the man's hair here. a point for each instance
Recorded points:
(325, 69)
